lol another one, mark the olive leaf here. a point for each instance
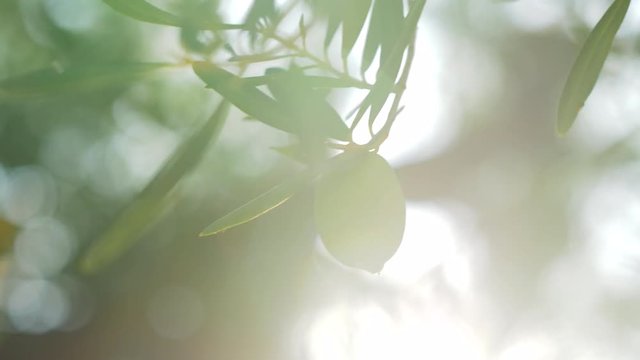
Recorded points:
(588, 65)
(263, 108)
(291, 89)
(384, 28)
(355, 14)
(335, 17)
(151, 202)
(388, 71)
(259, 206)
(313, 81)
(260, 10)
(75, 79)
(143, 11)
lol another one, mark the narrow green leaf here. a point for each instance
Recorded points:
(50, 82)
(143, 11)
(303, 30)
(355, 15)
(259, 205)
(384, 29)
(315, 82)
(292, 90)
(151, 202)
(260, 9)
(393, 21)
(334, 21)
(388, 71)
(586, 70)
(332, 9)
(257, 104)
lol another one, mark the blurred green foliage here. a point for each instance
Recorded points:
(107, 133)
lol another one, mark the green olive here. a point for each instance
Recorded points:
(360, 210)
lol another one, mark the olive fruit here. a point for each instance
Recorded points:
(360, 210)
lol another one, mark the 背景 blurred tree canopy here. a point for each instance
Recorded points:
(117, 148)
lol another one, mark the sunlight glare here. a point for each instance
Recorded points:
(368, 332)
(429, 240)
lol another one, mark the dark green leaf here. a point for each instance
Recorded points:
(258, 206)
(258, 105)
(384, 29)
(355, 15)
(334, 21)
(51, 82)
(586, 70)
(260, 9)
(152, 201)
(332, 9)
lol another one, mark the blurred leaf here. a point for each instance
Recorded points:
(294, 151)
(388, 71)
(259, 205)
(302, 30)
(386, 24)
(292, 90)
(355, 14)
(146, 12)
(260, 10)
(143, 11)
(258, 105)
(359, 210)
(149, 204)
(586, 70)
(7, 236)
(78, 79)
(315, 82)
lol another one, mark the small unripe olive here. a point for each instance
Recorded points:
(360, 210)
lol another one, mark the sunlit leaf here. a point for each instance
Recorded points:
(313, 81)
(76, 79)
(258, 105)
(586, 70)
(355, 15)
(360, 210)
(291, 90)
(128, 227)
(388, 71)
(7, 236)
(259, 205)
